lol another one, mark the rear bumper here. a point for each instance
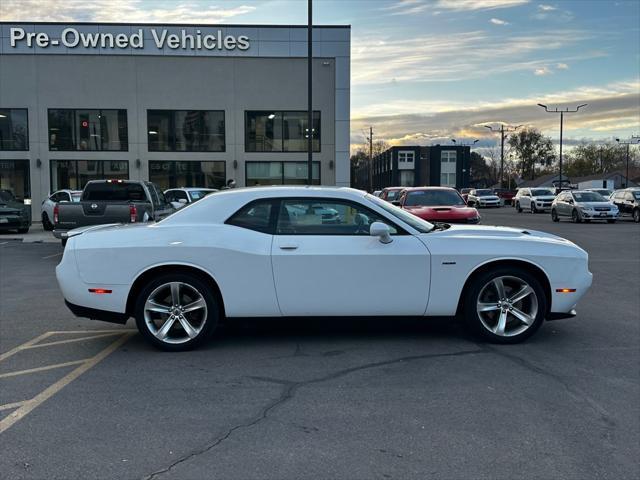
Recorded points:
(61, 234)
(561, 315)
(11, 222)
(95, 314)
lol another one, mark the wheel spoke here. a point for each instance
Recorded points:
(175, 293)
(523, 317)
(525, 291)
(487, 307)
(197, 305)
(502, 323)
(154, 306)
(164, 330)
(188, 328)
(497, 282)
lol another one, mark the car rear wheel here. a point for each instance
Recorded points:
(575, 217)
(518, 207)
(177, 312)
(23, 230)
(554, 215)
(506, 305)
(46, 223)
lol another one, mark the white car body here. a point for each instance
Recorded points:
(58, 196)
(260, 274)
(534, 199)
(179, 197)
(478, 198)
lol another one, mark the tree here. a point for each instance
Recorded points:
(589, 159)
(530, 148)
(480, 170)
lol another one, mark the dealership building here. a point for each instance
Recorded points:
(180, 105)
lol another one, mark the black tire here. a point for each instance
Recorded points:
(202, 287)
(554, 215)
(23, 230)
(472, 292)
(46, 223)
(64, 242)
(533, 208)
(636, 215)
(575, 216)
(518, 207)
(611, 221)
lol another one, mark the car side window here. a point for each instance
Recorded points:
(170, 195)
(311, 216)
(257, 216)
(628, 196)
(180, 194)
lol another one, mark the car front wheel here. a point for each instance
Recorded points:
(533, 208)
(518, 207)
(636, 215)
(575, 216)
(506, 305)
(177, 312)
(554, 215)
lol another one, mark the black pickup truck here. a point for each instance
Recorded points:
(111, 201)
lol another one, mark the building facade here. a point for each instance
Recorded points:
(180, 105)
(413, 166)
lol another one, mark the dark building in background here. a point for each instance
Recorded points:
(415, 166)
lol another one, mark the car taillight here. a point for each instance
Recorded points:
(133, 213)
(56, 211)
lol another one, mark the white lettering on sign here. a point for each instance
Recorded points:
(71, 38)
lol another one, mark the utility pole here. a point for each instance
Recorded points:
(309, 93)
(630, 142)
(561, 112)
(370, 138)
(503, 128)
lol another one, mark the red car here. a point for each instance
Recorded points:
(437, 204)
(391, 193)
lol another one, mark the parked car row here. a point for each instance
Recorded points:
(14, 215)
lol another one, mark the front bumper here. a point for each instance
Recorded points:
(595, 215)
(561, 315)
(12, 222)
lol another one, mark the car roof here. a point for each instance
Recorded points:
(388, 189)
(412, 189)
(190, 189)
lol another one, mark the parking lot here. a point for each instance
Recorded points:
(324, 398)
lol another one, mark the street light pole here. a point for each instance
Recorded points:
(309, 93)
(561, 112)
(502, 130)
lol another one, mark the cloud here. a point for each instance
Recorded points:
(549, 12)
(541, 71)
(129, 11)
(546, 8)
(409, 7)
(462, 55)
(562, 66)
(611, 109)
(497, 21)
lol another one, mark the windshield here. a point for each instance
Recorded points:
(588, 197)
(75, 197)
(420, 225)
(637, 194)
(484, 192)
(541, 192)
(6, 197)
(392, 195)
(430, 198)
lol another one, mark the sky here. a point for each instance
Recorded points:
(426, 71)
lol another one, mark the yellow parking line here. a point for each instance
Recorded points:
(120, 330)
(42, 369)
(13, 351)
(28, 406)
(70, 340)
(7, 406)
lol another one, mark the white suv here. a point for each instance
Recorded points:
(534, 199)
(482, 197)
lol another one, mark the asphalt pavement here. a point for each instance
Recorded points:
(324, 398)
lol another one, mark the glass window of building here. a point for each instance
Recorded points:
(176, 174)
(88, 130)
(74, 174)
(14, 129)
(186, 130)
(280, 173)
(448, 168)
(278, 131)
(14, 176)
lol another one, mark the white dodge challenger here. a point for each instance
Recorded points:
(314, 251)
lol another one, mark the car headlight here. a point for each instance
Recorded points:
(586, 209)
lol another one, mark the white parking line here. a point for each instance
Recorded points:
(42, 369)
(8, 406)
(72, 340)
(54, 255)
(28, 405)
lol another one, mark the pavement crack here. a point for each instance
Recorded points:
(288, 392)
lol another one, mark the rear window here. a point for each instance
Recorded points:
(117, 192)
(75, 197)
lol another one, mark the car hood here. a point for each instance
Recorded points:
(489, 197)
(594, 204)
(496, 232)
(545, 197)
(462, 210)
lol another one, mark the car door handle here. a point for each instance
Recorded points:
(288, 247)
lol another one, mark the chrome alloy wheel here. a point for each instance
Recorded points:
(175, 312)
(507, 306)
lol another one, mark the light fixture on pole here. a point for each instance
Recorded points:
(503, 128)
(561, 112)
(630, 142)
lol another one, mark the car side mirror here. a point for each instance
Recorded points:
(570, 201)
(382, 231)
(182, 200)
(396, 203)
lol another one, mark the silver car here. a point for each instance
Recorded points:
(583, 205)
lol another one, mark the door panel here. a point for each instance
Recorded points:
(350, 275)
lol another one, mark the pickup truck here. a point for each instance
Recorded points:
(111, 201)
